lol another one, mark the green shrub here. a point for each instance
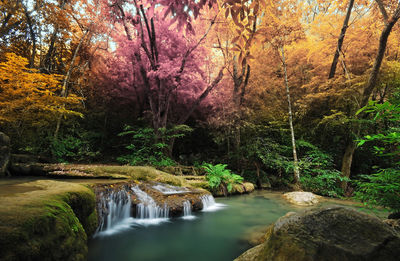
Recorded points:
(317, 172)
(383, 187)
(75, 147)
(147, 148)
(218, 175)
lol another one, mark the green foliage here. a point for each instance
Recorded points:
(218, 175)
(268, 145)
(317, 170)
(383, 187)
(149, 147)
(76, 147)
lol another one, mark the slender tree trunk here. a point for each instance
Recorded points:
(346, 162)
(340, 41)
(47, 63)
(64, 90)
(295, 160)
(373, 78)
(258, 182)
(240, 81)
(33, 37)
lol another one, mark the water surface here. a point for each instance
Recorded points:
(210, 236)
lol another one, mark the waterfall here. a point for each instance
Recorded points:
(209, 204)
(187, 210)
(114, 209)
(147, 211)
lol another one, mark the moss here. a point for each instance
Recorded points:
(199, 184)
(48, 223)
(143, 173)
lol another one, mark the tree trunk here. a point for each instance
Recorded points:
(295, 160)
(258, 182)
(373, 78)
(47, 63)
(33, 37)
(240, 81)
(64, 90)
(340, 41)
(195, 104)
(346, 162)
(204, 95)
(5, 27)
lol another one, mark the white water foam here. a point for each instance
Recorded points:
(209, 204)
(124, 225)
(147, 211)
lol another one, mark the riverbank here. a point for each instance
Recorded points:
(54, 214)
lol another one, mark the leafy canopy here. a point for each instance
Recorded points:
(30, 96)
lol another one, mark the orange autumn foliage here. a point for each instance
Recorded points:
(29, 96)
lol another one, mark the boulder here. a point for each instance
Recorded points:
(4, 153)
(330, 233)
(301, 198)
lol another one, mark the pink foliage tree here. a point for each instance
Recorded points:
(159, 60)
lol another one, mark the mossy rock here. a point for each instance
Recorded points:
(237, 189)
(330, 233)
(142, 173)
(50, 222)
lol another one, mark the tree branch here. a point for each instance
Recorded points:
(383, 11)
(205, 93)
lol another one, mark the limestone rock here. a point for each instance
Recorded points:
(46, 220)
(4, 153)
(174, 200)
(330, 233)
(301, 198)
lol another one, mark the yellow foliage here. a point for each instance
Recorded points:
(29, 96)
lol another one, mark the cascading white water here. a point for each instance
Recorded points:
(187, 210)
(147, 211)
(167, 189)
(209, 204)
(115, 211)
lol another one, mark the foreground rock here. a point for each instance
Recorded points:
(4, 153)
(301, 198)
(332, 233)
(46, 220)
